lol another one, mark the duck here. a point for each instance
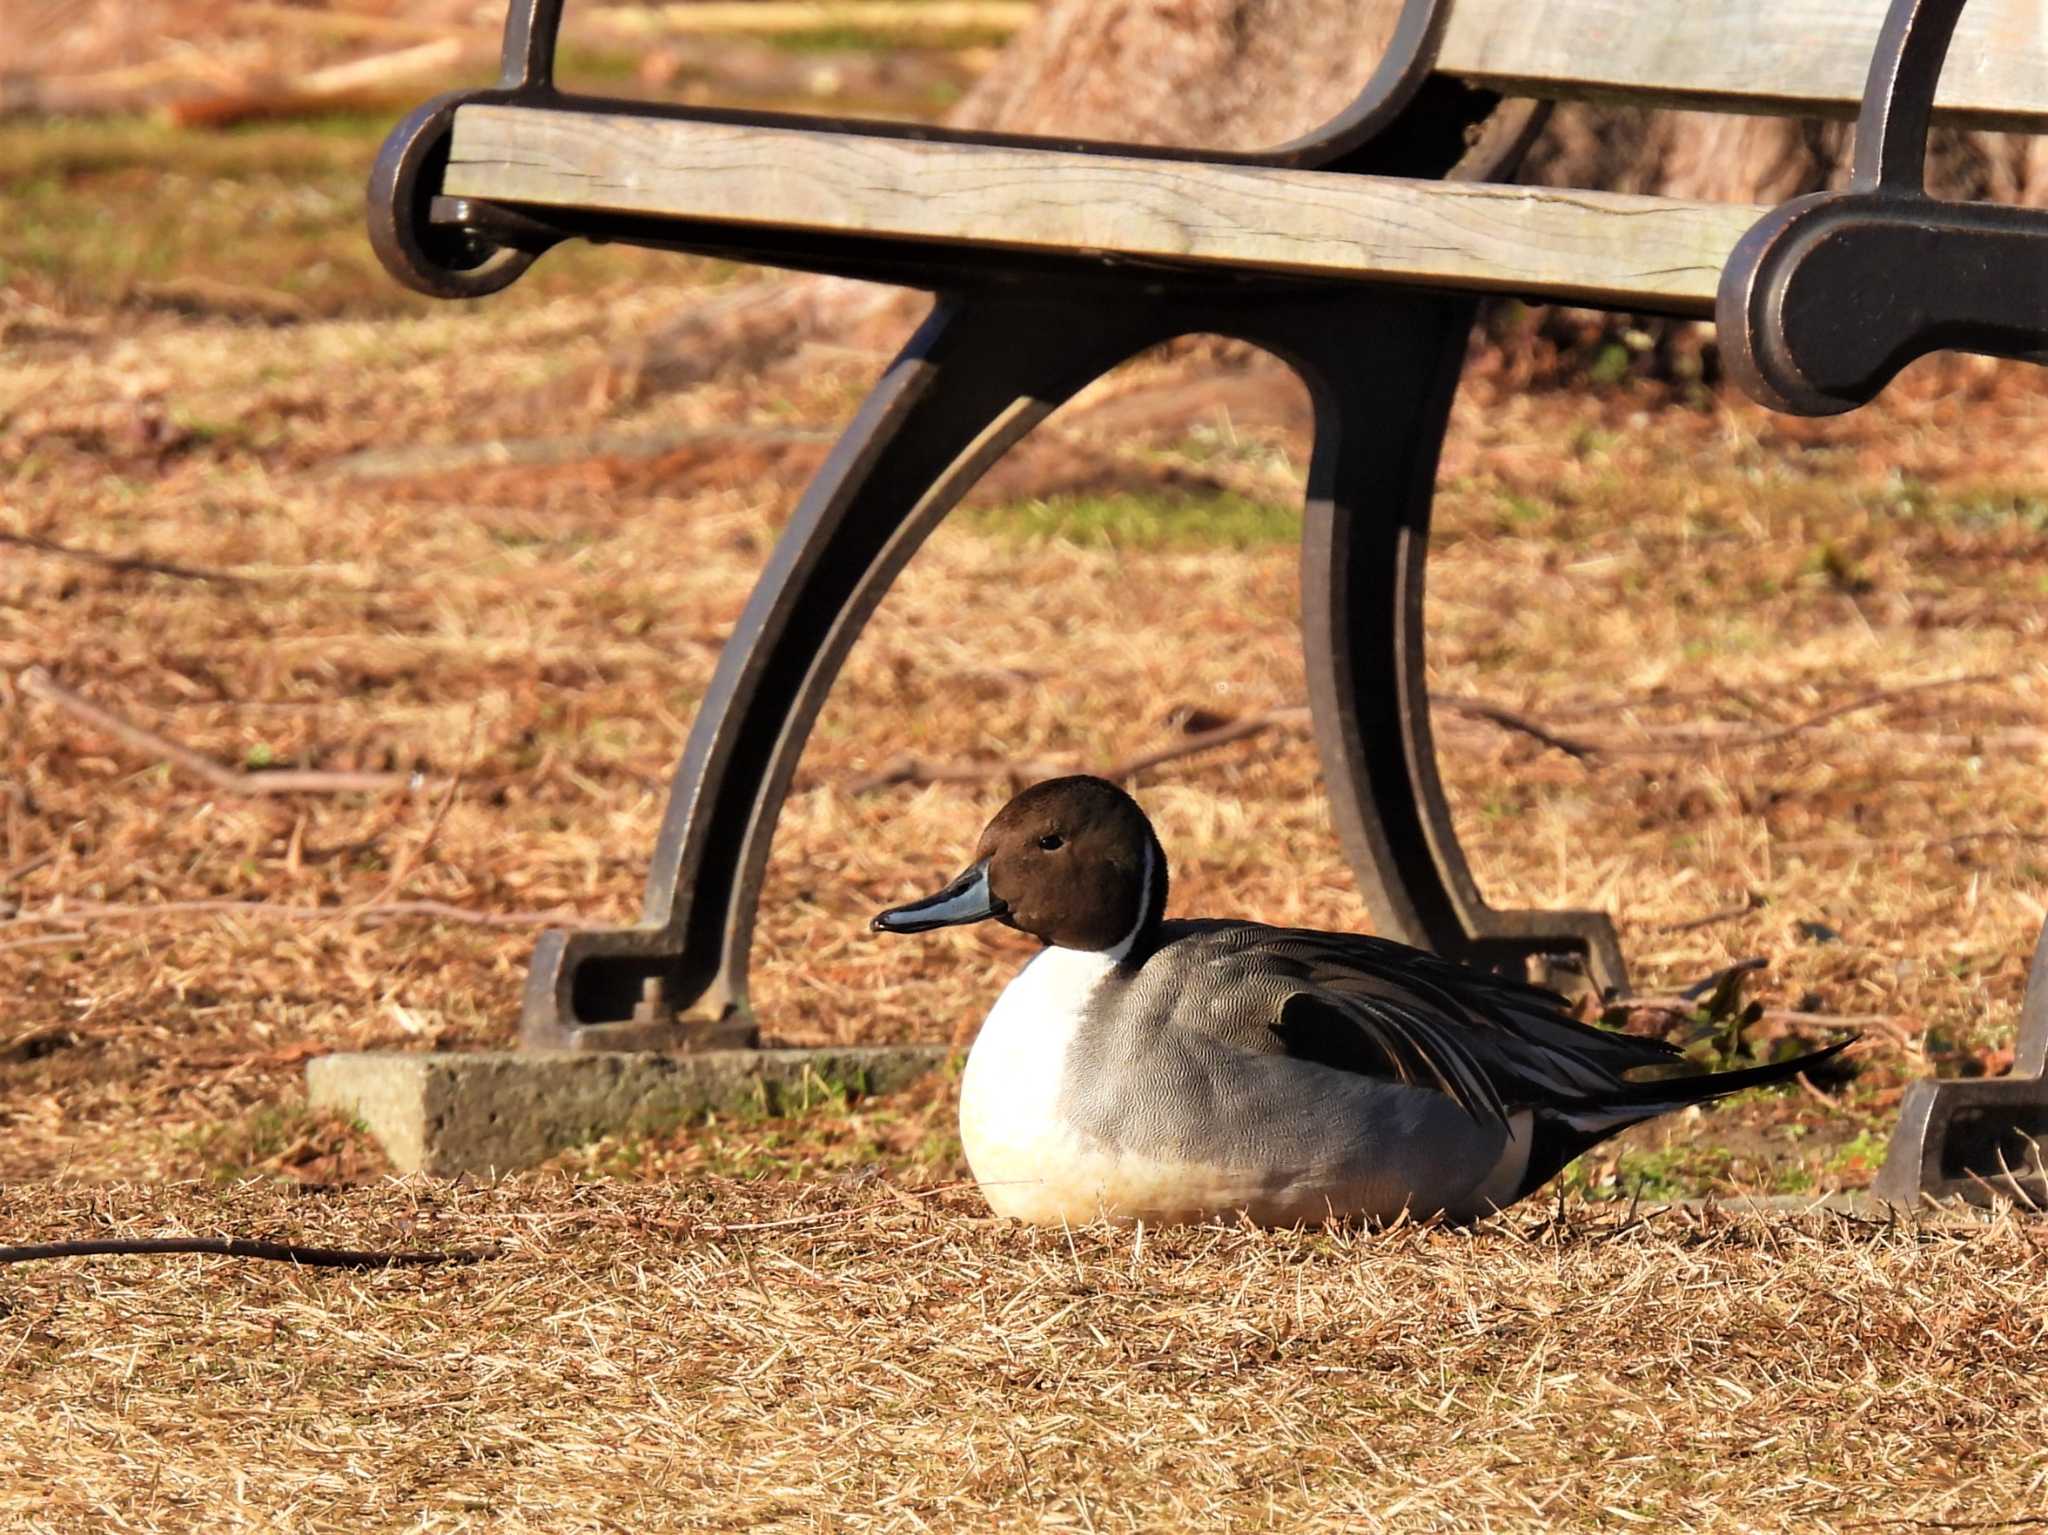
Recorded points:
(1145, 1070)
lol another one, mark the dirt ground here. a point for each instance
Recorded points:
(263, 507)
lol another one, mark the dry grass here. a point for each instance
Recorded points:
(351, 591)
(832, 1356)
(1672, 585)
(253, 500)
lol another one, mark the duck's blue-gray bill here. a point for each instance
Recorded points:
(967, 899)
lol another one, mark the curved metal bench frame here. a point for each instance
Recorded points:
(1013, 335)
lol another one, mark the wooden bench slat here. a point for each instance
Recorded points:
(1600, 248)
(1797, 57)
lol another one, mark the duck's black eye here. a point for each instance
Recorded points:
(1052, 842)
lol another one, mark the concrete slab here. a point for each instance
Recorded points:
(498, 1111)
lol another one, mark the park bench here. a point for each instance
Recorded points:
(1358, 255)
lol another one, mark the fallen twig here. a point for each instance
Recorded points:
(240, 1247)
(92, 911)
(350, 23)
(908, 769)
(795, 16)
(38, 683)
(1479, 709)
(1684, 1007)
(1682, 738)
(1913, 844)
(1753, 902)
(1806, 1086)
(409, 859)
(122, 561)
(46, 940)
(1721, 977)
(1289, 717)
(22, 871)
(1692, 737)
(499, 453)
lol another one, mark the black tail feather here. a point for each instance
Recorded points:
(1560, 1134)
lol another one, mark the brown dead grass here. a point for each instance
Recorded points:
(252, 501)
(457, 540)
(539, 634)
(836, 1356)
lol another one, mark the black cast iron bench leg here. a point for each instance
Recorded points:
(1980, 1137)
(981, 372)
(1382, 370)
(978, 375)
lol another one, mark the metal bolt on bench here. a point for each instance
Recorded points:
(1357, 254)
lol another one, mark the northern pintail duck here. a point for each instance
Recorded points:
(1140, 1069)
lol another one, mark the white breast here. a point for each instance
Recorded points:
(1032, 1164)
(1009, 1096)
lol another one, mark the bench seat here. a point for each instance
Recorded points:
(1654, 254)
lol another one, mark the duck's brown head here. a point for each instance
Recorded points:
(1071, 861)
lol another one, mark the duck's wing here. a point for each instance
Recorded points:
(1383, 1009)
(1499, 1048)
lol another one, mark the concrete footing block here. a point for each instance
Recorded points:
(498, 1111)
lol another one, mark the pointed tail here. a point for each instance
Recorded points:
(1560, 1134)
(1637, 1101)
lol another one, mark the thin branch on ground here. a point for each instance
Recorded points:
(125, 562)
(1806, 1086)
(92, 911)
(1679, 738)
(46, 940)
(38, 683)
(1682, 738)
(1576, 747)
(409, 859)
(911, 769)
(1710, 983)
(1912, 844)
(239, 1247)
(22, 871)
(1291, 717)
(1753, 902)
(1883, 1023)
(908, 768)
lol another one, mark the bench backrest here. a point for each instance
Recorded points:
(926, 205)
(1804, 58)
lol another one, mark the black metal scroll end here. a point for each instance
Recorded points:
(1830, 295)
(431, 243)
(620, 989)
(1980, 1139)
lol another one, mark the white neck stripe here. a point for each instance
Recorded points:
(1117, 954)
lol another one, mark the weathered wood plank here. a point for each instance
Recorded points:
(1802, 57)
(1595, 247)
